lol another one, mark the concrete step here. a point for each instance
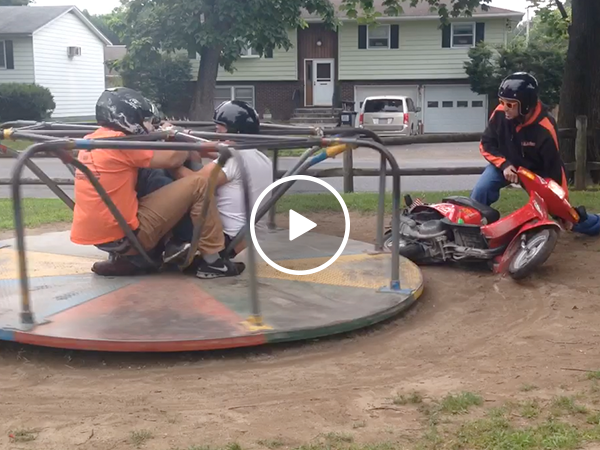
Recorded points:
(312, 120)
(323, 115)
(316, 110)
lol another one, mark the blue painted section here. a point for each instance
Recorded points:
(318, 158)
(85, 144)
(7, 335)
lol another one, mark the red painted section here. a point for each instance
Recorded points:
(139, 346)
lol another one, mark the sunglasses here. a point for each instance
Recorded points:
(509, 104)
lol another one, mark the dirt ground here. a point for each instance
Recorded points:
(471, 331)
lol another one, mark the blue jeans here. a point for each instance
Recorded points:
(487, 189)
(150, 180)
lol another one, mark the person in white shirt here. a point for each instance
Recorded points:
(233, 117)
(230, 191)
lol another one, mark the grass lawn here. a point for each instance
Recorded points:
(461, 421)
(17, 145)
(39, 212)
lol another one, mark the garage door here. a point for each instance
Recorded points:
(362, 92)
(454, 109)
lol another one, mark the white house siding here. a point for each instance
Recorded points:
(283, 66)
(76, 83)
(23, 58)
(420, 55)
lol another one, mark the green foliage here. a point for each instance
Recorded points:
(488, 65)
(544, 56)
(162, 77)
(23, 101)
(104, 23)
(225, 25)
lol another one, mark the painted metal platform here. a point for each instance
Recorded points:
(76, 309)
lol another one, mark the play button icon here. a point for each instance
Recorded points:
(300, 242)
(299, 225)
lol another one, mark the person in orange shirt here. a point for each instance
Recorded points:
(120, 112)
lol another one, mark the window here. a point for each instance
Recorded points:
(462, 104)
(477, 104)
(384, 106)
(433, 104)
(249, 52)
(463, 34)
(378, 36)
(226, 93)
(447, 104)
(2, 55)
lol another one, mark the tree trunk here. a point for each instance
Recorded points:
(203, 102)
(580, 91)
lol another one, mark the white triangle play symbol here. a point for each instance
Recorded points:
(299, 225)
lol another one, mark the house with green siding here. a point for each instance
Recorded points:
(410, 54)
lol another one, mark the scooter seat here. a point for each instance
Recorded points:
(490, 214)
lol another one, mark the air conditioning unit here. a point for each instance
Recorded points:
(73, 51)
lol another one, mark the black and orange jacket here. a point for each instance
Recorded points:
(533, 145)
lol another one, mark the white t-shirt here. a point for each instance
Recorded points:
(230, 196)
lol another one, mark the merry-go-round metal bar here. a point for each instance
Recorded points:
(58, 148)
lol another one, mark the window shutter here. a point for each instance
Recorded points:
(446, 36)
(362, 36)
(479, 32)
(268, 53)
(10, 56)
(395, 36)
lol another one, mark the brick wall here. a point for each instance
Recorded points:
(280, 97)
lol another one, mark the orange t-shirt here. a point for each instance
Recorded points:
(117, 172)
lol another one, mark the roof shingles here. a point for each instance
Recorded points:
(422, 9)
(27, 19)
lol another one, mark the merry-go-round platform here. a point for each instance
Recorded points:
(74, 308)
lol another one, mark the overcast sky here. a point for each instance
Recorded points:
(106, 6)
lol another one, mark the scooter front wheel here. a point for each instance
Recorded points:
(409, 250)
(535, 249)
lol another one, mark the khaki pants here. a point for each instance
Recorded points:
(160, 211)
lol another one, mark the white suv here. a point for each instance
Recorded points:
(389, 114)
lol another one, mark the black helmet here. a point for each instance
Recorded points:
(237, 117)
(123, 109)
(520, 86)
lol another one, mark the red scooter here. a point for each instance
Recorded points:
(462, 230)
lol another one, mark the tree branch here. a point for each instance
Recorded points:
(562, 10)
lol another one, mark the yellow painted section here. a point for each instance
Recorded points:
(254, 324)
(42, 264)
(361, 271)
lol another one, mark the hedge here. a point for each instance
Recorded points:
(25, 101)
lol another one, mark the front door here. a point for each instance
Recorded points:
(322, 82)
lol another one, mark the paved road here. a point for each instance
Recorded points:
(422, 155)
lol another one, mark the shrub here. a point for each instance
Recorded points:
(20, 101)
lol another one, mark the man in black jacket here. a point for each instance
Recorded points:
(521, 133)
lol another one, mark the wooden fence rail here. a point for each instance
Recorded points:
(581, 166)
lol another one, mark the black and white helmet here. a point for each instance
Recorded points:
(123, 109)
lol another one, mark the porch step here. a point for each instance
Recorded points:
(317, 110)
(313, 120)
(319, 115)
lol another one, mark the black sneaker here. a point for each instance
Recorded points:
(220, 268)
(175, 252)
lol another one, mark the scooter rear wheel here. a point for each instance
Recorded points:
(537, 248)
